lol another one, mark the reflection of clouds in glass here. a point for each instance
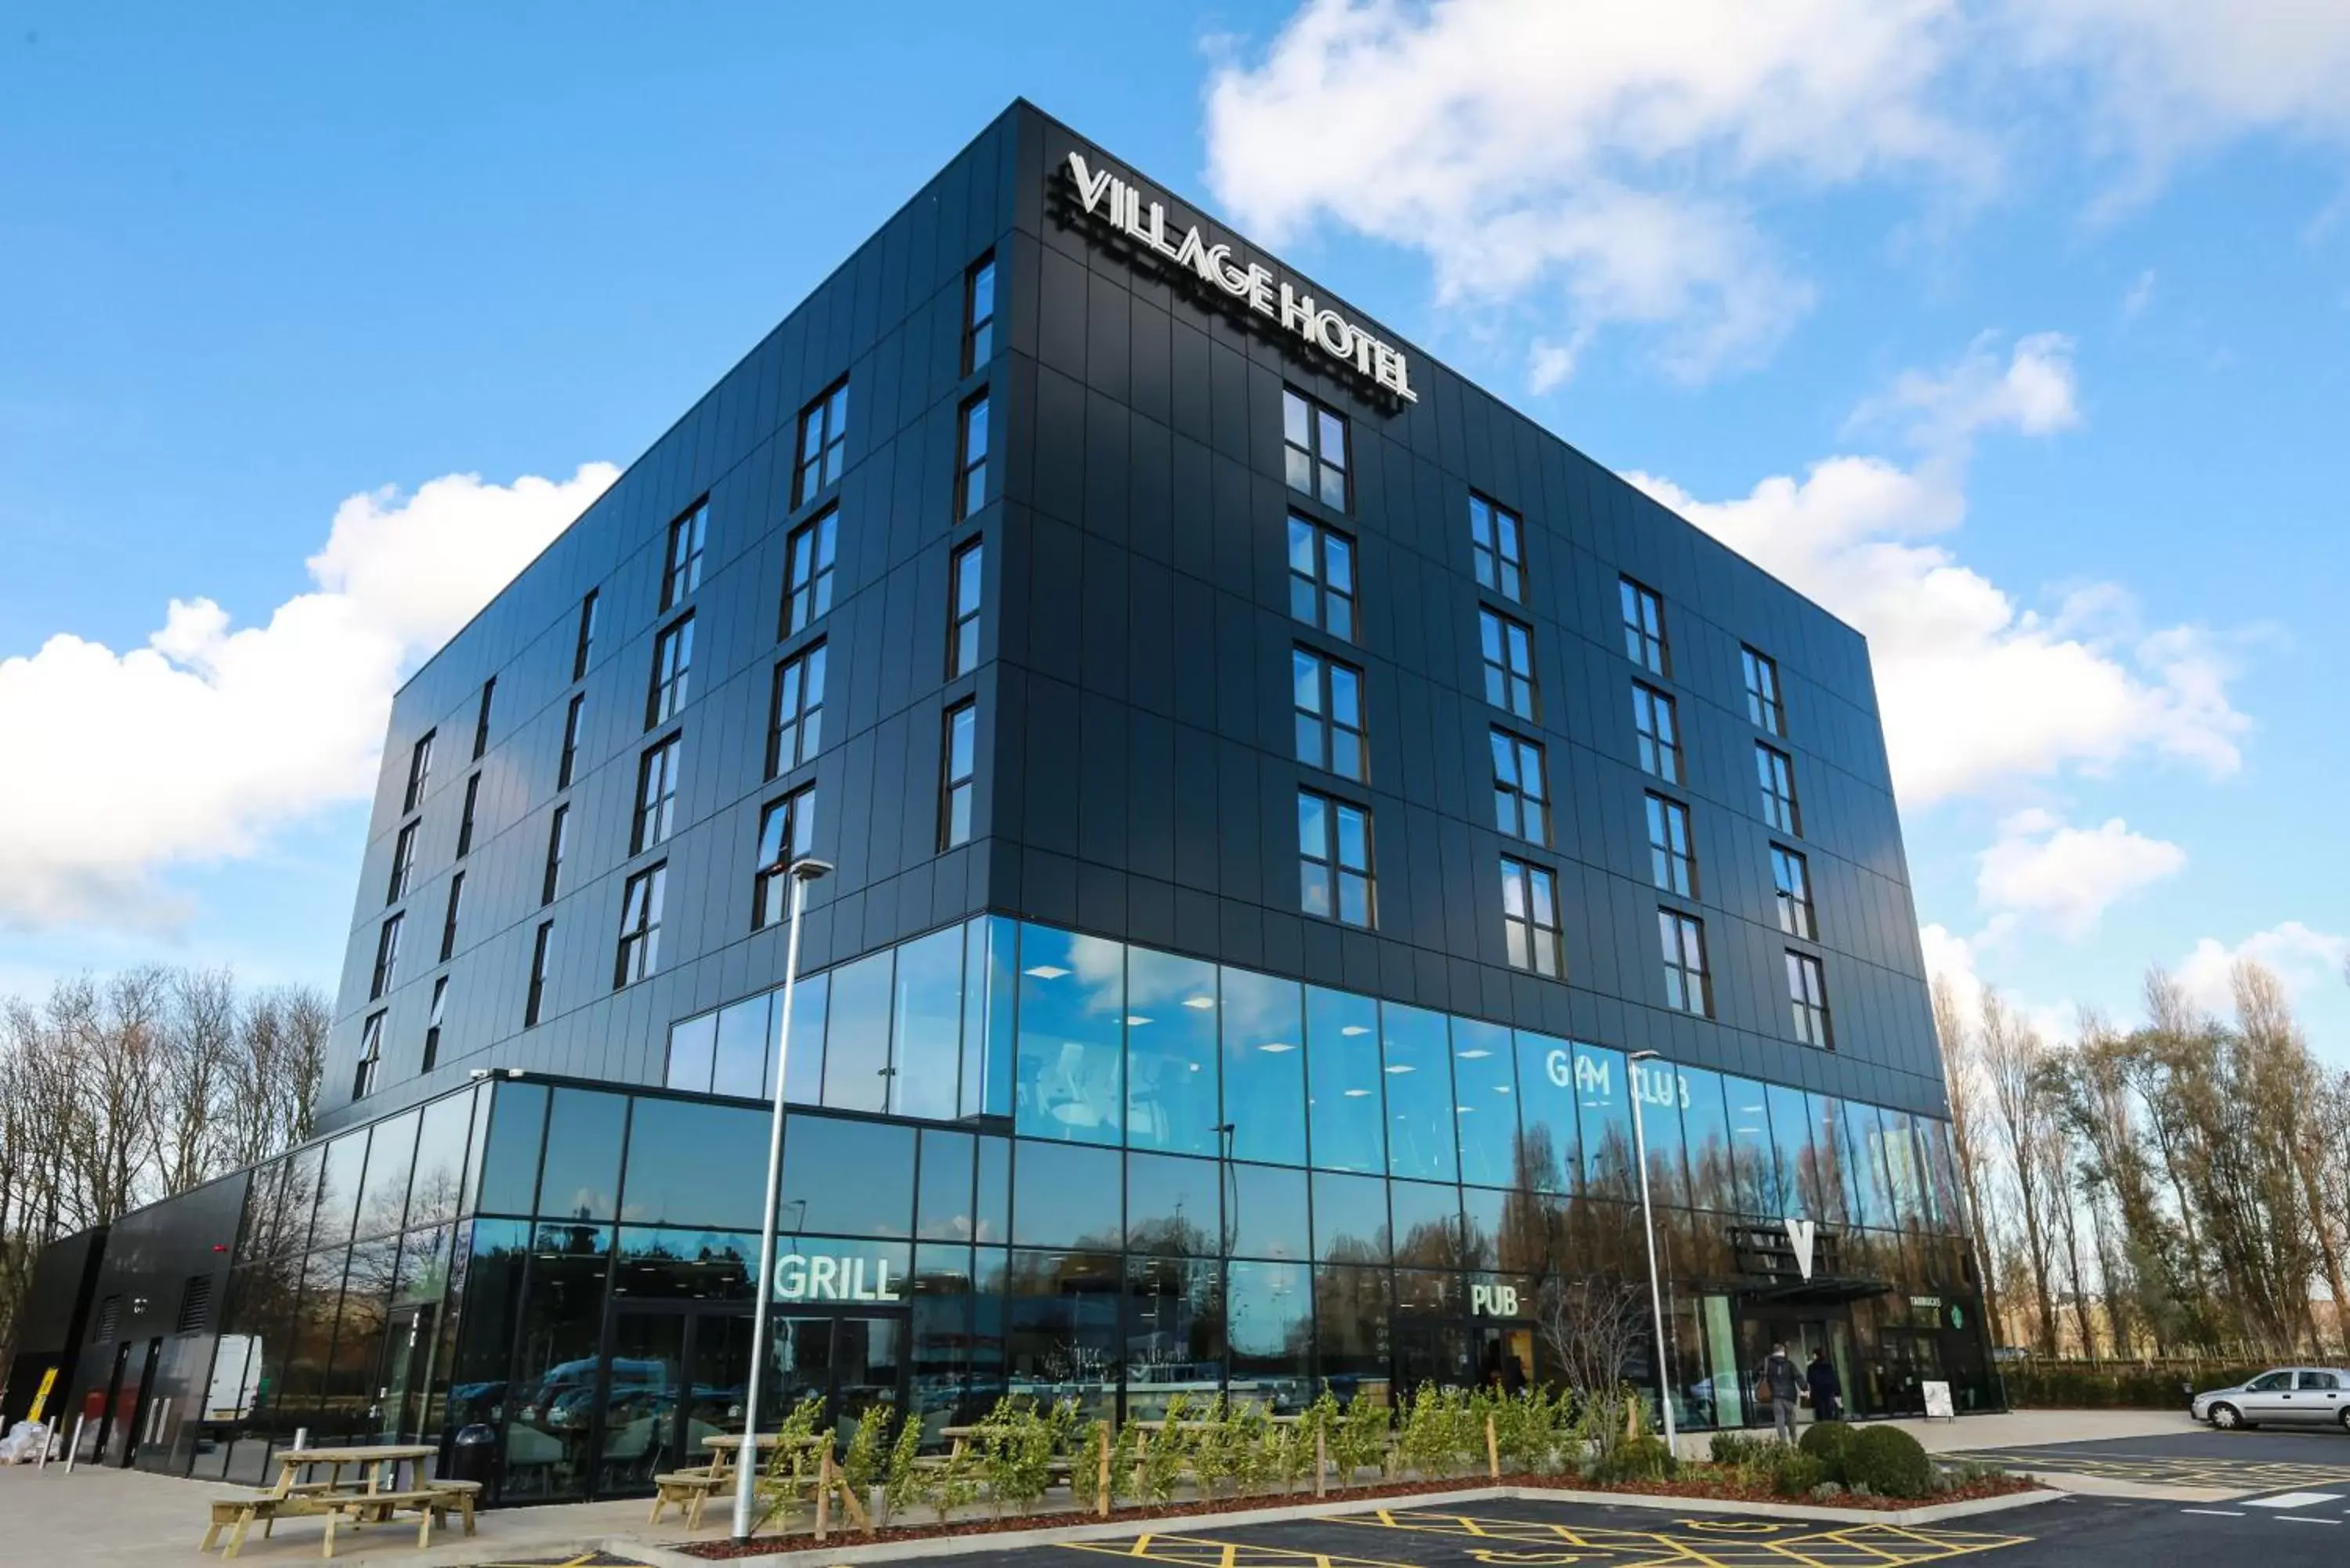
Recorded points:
(1259, 1008)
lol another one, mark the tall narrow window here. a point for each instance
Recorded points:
(370, 1057)
(796, 715)
(957, 769)
(1322, 578)
(1659, 734)
(1498, 544)
(978, 314)
(387, 959)
(432, 1021)
(1314, 438)
(964, 578)
(807, 571)
(1791, 882)
(1644, 628)
(641, 923)
(1777, 776)
(1530, 918)
(656, 795)
(1334, 860)
(786, 833)
(1763, 692)
(558, 835)
(672, 672)
(1672, 864)
(1807, 995)
(403, 863)
(449, 921)
(1683, 943)
(466, 822)
(586, 648)
(575, 718)
(1521, 789)
(684, 572)
(482, 719)
(1508, 650)
(419, 772)
(971, 461)
(536, 1000)
(824, 445)
(1328, 698)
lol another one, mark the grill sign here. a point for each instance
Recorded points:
(1118, 203)
(827, 1278)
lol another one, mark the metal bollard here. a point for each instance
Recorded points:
(73, 1453)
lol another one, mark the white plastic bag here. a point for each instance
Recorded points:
(24, 1443)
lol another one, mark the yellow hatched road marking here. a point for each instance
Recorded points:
(1698, 1543)
(1200, 1552)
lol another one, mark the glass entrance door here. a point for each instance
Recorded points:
(409, 1342)
(851, 1362)
(675, 1377)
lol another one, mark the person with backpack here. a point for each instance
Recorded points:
(1780, 1384)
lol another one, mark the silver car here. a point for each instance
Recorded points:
(2289, 1396)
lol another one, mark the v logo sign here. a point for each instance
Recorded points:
(1800, 1233)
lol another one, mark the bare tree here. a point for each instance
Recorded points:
(197, 1060)
(1964, 1077)
(2011, 1061)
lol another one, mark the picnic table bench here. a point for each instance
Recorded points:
(692, 1487)
(364, 1500)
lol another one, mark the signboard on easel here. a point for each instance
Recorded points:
(1937, 1402)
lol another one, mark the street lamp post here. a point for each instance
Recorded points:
(802, 873)
(1649, 1230)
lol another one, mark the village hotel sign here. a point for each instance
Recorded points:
(1118, 203)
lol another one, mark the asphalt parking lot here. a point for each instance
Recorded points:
(2067, 1531)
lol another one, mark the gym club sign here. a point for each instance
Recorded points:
(1117, 204)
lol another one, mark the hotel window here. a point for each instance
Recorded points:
(824, 445)
(403, 863)
(482, 719)
(796, 716)
(573, 717)
(957, 768)
(370, 1057)
(1644, 629)
(807, 571)
(1498, 542)
(419, 772)
(1530, 918)
(559, 834)
(1672, 864)
(971, 460)
(1334, 859)
(1322, 578)
(1683, 941)
(449, 921)
(1328, 698)
(1763, 692)
(533, 1003)
(656, 795)
(466, 822)
(1508, 650)
(786, 833)
(1792, 880)
(433, 1021)
(1521, 792)
(1313, 439)
(1807, 995)
(684, 572)
(964, 578)
(387, 959)
(641, 922)
(1778, 779)
(1659, 734)
(672, 668)
(978, 314)
(586, 644)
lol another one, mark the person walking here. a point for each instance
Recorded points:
(1827, 1388)
(1780, 1382)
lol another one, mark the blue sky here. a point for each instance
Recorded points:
(2015, 334)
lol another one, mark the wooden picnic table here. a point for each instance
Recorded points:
(364, 1499)
(372, 1457)
(692, 1488)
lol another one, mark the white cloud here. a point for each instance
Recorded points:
(253, 727)
(2068, 877)
(1975, 690)
(2139, 296)
(1588, 151)
(2304, 958)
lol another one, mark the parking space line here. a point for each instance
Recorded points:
(2217, 1513)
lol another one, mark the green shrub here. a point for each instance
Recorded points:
(902, 1480)
(1359, 1440)
(1794, 1474)
(1164, 1458)
(1637, 1458)
(1738, 1450)
(1826, 1442)
(1888, 1461)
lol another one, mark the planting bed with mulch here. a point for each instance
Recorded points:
(1698, 1481)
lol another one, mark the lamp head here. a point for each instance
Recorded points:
(808, 868)
(1645, 1057)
